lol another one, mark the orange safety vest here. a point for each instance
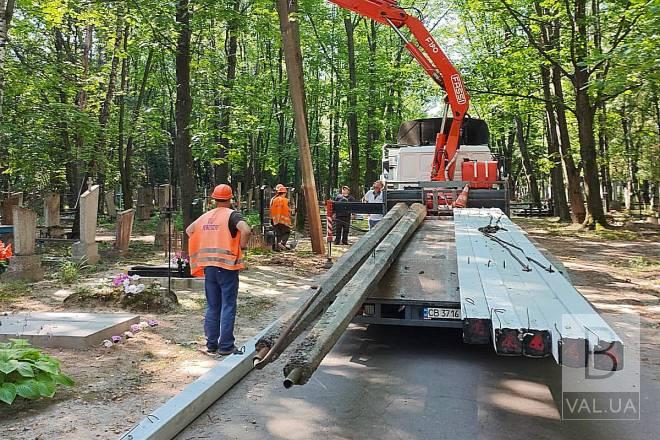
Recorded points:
(211, 243)
(280, 212)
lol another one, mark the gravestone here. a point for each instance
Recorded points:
(13, 199)
(160, 239)
(52, 215)
(145, 203)
(24, 264)
(110, 204)
(164, 197)
(65, 330)
(87, 248)
(124, 229)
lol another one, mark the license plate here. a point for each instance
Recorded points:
(441, 313)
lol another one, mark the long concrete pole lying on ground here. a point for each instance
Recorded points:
(320, 340)
(330, 283)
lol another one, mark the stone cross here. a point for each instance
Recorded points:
(14, 199)
(87, 248)
(124, 229)
(24, 264)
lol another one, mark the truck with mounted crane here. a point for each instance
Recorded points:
(468, 266)
(452, 258)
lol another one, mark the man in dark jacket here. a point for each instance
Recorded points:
(343, 220)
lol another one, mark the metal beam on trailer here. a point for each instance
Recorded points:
(476, 313)
(532, 290)
(167, 421)
(599, 335)
(505, 323)
(557, 312)
(508, 276)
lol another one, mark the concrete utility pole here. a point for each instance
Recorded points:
(293, 58)
(330, 283)
(324, 335)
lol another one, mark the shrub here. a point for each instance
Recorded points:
(27, 372)
(69, 271)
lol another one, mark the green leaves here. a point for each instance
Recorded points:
(25, 369)
(28, 389)
(7, 393)
(27, 372)
(9, 366)
(48, 367)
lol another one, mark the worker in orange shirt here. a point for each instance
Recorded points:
(280, 215)
(215, 246)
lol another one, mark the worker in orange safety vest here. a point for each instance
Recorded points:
(280, 216)
(216, 241)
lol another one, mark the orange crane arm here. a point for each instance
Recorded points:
(433, 60)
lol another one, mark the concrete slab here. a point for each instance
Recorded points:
(65, 330)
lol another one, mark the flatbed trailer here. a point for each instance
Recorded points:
(421, 288)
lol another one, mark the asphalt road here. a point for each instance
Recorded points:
(412, 383)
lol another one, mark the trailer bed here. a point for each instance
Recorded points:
(425, 275)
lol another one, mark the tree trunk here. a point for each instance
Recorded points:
(124, 159)
(183, 109)
(527, 164)
(71, 166)
(560, 203)
(6, 14)
(575, 197)
(585, 112)
(603, 147)
(351, 111)
(632, 185)
(231, 46)
(576, 200)
(585, 118)
(507, 151)
(104, 114)
(371, 171)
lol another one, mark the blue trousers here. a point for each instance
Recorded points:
(221, 287)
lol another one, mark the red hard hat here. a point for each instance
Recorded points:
(281, 189)
(222, 192)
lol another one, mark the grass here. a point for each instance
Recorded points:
(11, 290)
(643, 263)
(252, 307)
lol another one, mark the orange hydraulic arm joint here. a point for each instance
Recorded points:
(434, 61)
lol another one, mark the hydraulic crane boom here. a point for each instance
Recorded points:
(433, 60)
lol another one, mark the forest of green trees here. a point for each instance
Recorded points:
(194, 92)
